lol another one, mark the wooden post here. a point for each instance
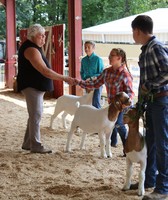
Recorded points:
(75, 42)
(57, 53)
(10, 70)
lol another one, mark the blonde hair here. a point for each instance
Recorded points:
(90, 42)
(34, 30)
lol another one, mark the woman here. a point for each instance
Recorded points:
(34, 79)
(116, 78)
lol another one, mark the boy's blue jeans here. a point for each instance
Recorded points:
(97, 97)
(157, 145)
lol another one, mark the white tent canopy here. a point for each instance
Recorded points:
(120, 31)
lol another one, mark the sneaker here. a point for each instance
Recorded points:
(26, 148)
(114, 145)
(41, 150)
(155, 196)
(124, 155)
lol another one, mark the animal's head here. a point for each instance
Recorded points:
(131, 115)
(118, 103)
(122, 100)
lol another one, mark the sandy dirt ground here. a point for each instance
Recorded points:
(79, 175)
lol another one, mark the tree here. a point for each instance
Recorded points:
(2, 22)
(24, 14)
(100, 11)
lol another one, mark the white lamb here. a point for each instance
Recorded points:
(101, 121)
(135, 149)
(68, 105)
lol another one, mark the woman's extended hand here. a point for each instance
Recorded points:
(71, 81)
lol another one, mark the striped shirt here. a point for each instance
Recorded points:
(115, 81)
(153, 63)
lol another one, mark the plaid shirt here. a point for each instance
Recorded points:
(153, 63)
(115, 81)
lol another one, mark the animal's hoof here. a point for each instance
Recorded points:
(125, 188)
(78, 131)
(67, 150)
(141, 193)
(51, 128)
(103, 156)
(109, 156)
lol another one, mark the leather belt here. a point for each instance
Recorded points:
(161, 94)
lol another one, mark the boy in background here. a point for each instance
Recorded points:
(91, 67)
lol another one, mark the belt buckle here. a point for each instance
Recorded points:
(150, 97)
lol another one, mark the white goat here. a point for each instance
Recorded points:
(135, 149)
(68, 104)
(101, 121)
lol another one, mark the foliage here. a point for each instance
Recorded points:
(2, 23)
(51, 12)
(100, 11)
(45, 12)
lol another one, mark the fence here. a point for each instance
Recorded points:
(2, 75)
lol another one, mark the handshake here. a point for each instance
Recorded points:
(75, 81)
(71, 81)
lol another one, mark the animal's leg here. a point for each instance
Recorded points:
(52, 120)
(56, 112)
(64, 120)
(69, 138)
(102, 145)
(83, 140)
(108, 146)
(78, 131)
(128, 175)
(141, 189)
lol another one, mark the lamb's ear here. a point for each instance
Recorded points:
(112, 112)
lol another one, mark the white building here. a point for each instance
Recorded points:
(120, 31)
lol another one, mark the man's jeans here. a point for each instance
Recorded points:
(157, 145)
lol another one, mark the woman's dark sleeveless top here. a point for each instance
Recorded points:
(28, 76)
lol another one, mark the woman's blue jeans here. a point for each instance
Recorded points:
(157, 144)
